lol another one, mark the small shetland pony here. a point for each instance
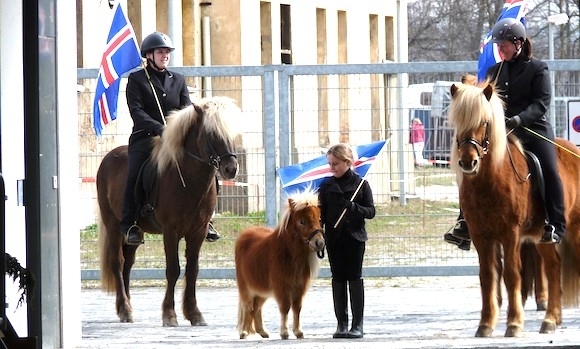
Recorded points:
(502, 210)
(197, 142)
(278, 263)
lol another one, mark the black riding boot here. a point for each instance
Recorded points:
(357, 303)
(339, 296)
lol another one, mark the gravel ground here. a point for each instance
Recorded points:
(430, 312)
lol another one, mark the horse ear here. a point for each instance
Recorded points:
(488, 91)
(291, 203)
(454, 90)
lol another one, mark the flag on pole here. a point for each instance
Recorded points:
(120, 56)
(489, 52)
(310, 174)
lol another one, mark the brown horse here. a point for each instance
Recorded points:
(278, 263)
(197, 142)
(502, 210)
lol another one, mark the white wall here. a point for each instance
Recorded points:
(12, 129)
(12, 137)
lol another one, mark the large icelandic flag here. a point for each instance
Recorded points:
(489, 52)
(120, 56)
(310, 174)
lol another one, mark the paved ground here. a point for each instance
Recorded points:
(436, 312)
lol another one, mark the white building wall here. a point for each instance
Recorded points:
(12, 128)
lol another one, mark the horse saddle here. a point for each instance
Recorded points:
(536, 174)
(146, 190)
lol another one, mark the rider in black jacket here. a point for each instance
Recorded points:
(152, 93)
(523, 82)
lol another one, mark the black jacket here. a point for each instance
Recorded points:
(524, 86)
(172, 95)
(333, 196)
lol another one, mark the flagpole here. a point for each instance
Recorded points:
(351, 199)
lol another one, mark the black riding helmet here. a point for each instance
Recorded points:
(509, 29)
(155, 40)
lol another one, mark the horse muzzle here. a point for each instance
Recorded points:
(316, 240)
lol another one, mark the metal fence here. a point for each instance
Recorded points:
(292, 114)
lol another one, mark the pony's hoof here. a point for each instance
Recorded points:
(243, 335)
(541, 305)
(284, 335)
(264, 334)
(198, 322)
(513, 331)
(126, 318)
(548, 327)
(170, 322)
(484, 331)
(299, 335)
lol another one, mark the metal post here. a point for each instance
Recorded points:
(552, 75)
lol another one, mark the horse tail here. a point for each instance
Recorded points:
(107, 279)
(527, 271)
(570, 277)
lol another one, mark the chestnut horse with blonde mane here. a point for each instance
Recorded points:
(279, 262)
(502, 210)
(198, 141)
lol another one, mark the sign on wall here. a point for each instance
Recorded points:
(574, 121)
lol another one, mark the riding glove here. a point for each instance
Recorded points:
(513, 122)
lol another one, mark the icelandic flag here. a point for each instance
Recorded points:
(489, 52)
(121, 55)
(310, 174)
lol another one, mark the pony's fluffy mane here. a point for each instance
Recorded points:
(302, 199)
(220, 116)
(470, 109)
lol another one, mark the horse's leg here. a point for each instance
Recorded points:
(486, 251)
(124, 308)
(284, 307)
(540, 282)
(190, 309)
(513, 283)
(258, 321)
(171, 244)
(296, 308)
(551, 261)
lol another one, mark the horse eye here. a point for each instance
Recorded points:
(302, 221)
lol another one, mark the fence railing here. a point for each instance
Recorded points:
(292, 114)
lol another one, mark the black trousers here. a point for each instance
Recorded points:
(346, 258)
(138, 153)
(546, 153)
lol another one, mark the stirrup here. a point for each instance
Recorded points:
(464, 245)
(550, 236)
(134, 236)
(460, 230)
(212, 233)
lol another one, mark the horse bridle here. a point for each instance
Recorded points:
(484, 144)
(214, 158)
(320, 253)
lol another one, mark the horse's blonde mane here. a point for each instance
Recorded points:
(470, 109)
(301, 200)
(220, 116)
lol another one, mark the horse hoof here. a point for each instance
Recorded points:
(198, 322)
(284, 335)
(243, 335)
(299, 335)
(265, 335)
(126, 318)
(541, 305)
(484, 331)
(548, 327)
(513, 331)
(170, 322)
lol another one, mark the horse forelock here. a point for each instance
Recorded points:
(220, 117)
(470, 109)
(296, 202)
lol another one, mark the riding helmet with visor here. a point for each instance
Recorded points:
(155, 40)
(509, 29)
